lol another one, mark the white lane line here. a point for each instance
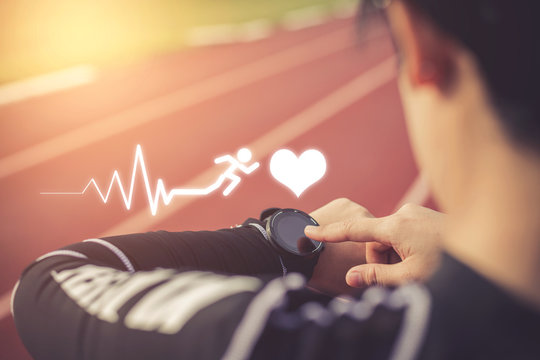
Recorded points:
(346, 8)
(322, 110)
(417, 193)
(164, 105)
(262, 28)
(47, 83)
(305, 17)
(299, 124)
(229, 33)
(255, 30)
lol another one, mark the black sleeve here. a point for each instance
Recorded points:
(190, 295)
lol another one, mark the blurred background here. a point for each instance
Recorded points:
(46, 35)
(83, 82)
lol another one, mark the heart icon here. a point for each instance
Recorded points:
(298, 173)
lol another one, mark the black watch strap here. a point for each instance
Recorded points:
(265, 214)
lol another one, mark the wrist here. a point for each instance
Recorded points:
(289, 260)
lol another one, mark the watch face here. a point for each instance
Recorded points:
(287, 230)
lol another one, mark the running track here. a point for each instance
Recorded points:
(321, 87)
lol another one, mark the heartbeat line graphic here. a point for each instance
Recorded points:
(243, 156)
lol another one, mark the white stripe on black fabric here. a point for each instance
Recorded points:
(417, 301)
(254, 320)
(267, 237)
(413, 298)
(102, 291)
(169, 306)
(62, 252)
(116, 251)
(261, 230)
(170, 301)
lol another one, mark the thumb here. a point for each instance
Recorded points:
(377, 274)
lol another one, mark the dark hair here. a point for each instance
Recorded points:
(503, 36)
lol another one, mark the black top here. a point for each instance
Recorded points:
(224, 294)
(470, 315)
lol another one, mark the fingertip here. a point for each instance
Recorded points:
(310, 230)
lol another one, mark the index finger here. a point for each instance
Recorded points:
(362, 229)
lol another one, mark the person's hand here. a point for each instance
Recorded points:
(337, 258)
(401, 247)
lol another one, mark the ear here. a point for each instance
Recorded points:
(427, 54)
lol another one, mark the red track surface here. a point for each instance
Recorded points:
(365, 145)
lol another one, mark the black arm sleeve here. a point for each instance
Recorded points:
(240, 250)
(188, 295)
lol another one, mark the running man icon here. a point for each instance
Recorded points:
(242, 156)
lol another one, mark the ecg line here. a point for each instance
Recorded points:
(161, 192)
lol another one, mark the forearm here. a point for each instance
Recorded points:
(91, 285)
(67, 307)
(239, 250)
(170, 276)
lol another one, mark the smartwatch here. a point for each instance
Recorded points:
(285, 229)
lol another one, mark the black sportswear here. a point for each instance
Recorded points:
(226, 294)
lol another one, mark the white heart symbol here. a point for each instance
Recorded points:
(298, 173)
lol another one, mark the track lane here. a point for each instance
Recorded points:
(170, 103)
(128, 87)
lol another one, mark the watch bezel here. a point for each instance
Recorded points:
(281, 245)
